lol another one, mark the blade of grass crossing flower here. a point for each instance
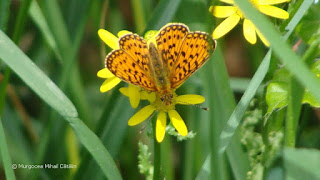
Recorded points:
(282, 50)
(48, 91)
(5, 156)
(163, 13)
(237, 115)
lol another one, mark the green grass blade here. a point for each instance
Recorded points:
(139, 15)
(40, 21)
(223, 104)
(234, 120)
(163, 14)
(240, 85)
(58, 28)
(5, 156)
(52, 95)
(34, 77)
(95, 147)
(68, 47)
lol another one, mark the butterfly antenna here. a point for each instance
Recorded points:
(148, 122)
(196, 105)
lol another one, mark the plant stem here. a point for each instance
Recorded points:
(293, 111)
(156, 156)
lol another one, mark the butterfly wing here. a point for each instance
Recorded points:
(195, 50)
(131, 62)
(169, 40)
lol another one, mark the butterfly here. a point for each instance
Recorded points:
(163, 65)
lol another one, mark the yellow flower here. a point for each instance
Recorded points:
(233, 15)
(134, 93)
(156, 104)
(113, 42)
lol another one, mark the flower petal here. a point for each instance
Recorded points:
(228, 1)
(150, 34)
(141, 115)
(189, 99)
(108, 38)
(249, 31)
(124, 91)
(105, 73)
(222, 11)
(109, 84)
(178, 122)
(145, 95)
(263, 39)
(161, 124)
(274, 11)
(134, 95)
(226, 26)
(271, 2)
(123, 32)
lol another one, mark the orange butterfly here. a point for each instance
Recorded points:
(162, 66)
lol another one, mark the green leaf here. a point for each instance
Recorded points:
(277, 90)
(301, 163)
(276, 96)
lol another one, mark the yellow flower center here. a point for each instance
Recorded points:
(165, 102)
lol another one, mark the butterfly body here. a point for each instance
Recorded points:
(163, 65)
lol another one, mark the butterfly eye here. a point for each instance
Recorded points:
(171, 95)
(162, 98)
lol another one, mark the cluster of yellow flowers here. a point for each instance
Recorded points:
(233, 16)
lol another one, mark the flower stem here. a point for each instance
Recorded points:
(156, 156)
